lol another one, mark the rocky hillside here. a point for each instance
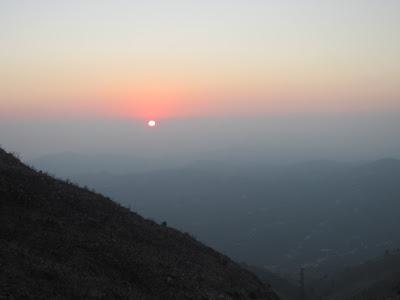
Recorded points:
(61, 241)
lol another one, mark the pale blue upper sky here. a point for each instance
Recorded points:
(64, 60)
(71, 50)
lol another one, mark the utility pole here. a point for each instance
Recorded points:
(302, 286)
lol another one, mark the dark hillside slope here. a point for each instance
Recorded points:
(61, 241)
(321, 214)
(286, 289)
(378, 278)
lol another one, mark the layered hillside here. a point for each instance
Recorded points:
(61, 241)
(320, 214)
(378, 278)
(285, 288)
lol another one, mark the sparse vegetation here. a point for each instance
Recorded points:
(61, 241)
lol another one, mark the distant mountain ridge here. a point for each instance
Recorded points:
(61, 241)
(319, 213)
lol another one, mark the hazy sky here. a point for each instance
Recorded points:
(64, 61)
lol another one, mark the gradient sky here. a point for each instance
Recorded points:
(287, 79)
(163, 59)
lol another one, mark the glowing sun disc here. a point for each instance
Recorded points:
(151, 123)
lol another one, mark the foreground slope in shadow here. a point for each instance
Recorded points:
(61, 241)
(377, 278)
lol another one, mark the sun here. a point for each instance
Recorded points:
(152, 123)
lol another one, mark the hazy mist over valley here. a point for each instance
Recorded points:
(323, 192)
(203, 150)
(272, 139)
(316, 213)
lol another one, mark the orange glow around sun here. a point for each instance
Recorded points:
(150, 102)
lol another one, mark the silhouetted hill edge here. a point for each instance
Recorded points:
(61, 241)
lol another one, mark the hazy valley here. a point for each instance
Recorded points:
(324, 216)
